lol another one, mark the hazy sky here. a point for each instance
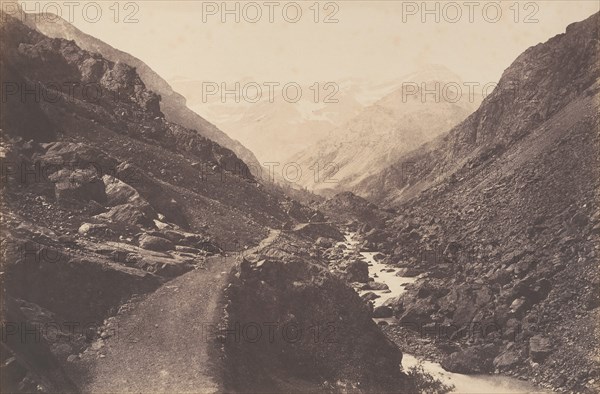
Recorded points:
(376, 40)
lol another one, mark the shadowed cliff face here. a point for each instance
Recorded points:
(501, 216)
(172, 104)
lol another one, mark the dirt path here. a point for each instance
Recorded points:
(162, 343)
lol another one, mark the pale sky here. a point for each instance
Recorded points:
(370, 40)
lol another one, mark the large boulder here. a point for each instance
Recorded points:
(296, 292)
(357, 271)
(79, 186)
(465, 301)
(474, 360)
(158, 244)
(408, 272)
(375, 286)
(394, 302)
(130, 214)
(382, 311)
(119, 192)
(507, 360)
(416, 313)
(370, 296)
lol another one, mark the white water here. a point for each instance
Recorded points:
(480, 384)
(379, 272)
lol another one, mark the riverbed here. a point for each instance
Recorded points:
(385, 273)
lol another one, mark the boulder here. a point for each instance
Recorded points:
(357, 271)
(464, 302)
(158, 244)
(519, 306)
(119, 192)
(378, 256)
(370, 296)
(382, 311)
(58, 153)
(506, 360)
(474, 360)
(324, 242)
(318, 230)
(427, 288)
(375, 286)
(130, 214)
(408, 272)
(539, 348)
(396, 304)
(417, 313)
(94, 230)
(78, 186)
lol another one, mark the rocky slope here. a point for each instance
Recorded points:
(105, 200)
(501, 218)
(382, 132)
(172, 104)
(92, 212)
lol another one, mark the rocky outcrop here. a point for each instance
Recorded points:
(78, 186)
(348, 208)
(357, 271)
(382, 311)
(318, 230)
(315, 320)
(539, 348)
(475, 360)
(172, 104)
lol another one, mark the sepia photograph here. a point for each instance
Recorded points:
(300, 197)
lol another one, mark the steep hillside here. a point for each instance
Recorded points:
(172, 104)
(382, 132)
(501, 216)
(531, 91)
(111, 213)
(102, 198)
